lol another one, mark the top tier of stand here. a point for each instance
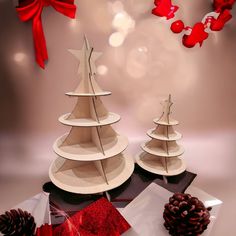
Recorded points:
(171, 122)
(165, 118)
(88, 86)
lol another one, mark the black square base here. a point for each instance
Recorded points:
(69, 203)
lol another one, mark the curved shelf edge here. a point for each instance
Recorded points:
(162, 137)
(161, 152)
(85, 179)
(89, 151)
(154, 165)
(74, 94)
(172, 122)
(85, 122)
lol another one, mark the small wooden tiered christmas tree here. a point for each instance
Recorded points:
(90, 155)
(162, 154)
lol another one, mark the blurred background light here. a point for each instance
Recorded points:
(123, 23)
(73, 23)
(19, 57)
(116, 39)
(102, 70)
(117, 6)
(137, 62)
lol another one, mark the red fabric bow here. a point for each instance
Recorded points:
(32, 9)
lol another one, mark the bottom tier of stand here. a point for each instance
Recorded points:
(157, 165)
(84, 178)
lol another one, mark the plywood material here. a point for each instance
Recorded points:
(90, 155)
(161, 134)
(89, 107)
(162, 153)
(159, 148)
(87, 69)
(97, 94)
(154, 164)
(84, 178)
(111, 118)
(170, 122)
(88, 150)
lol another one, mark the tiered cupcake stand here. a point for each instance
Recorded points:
(91, 158)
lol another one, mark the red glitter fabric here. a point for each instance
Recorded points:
(98, 219)
(44, 230)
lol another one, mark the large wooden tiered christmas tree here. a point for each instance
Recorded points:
(90, 155)
(162, 154)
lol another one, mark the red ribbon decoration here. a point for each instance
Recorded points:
(32, 10)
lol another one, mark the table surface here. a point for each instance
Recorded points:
(24, 163)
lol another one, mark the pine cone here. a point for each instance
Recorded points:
(185, 215)
(17, 223)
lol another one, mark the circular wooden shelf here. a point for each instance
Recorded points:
(171, 122)
(83, 177)
(104, 93)
(89, 122)
(159, 151)
(89, 151)
(154, 164)
(172, 137)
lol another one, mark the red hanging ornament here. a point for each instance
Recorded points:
(164, 8)
(197, 35)
(32, 10)
(177, 26)
(219, 23)
(220, 5)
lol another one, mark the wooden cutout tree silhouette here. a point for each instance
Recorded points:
(90, 155)
(162, 153)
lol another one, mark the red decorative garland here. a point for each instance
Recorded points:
(32, 10)
(213, 21)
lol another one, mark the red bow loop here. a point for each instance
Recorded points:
(29, 11)
(65, 8)
(46, 3)
(32, 9)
